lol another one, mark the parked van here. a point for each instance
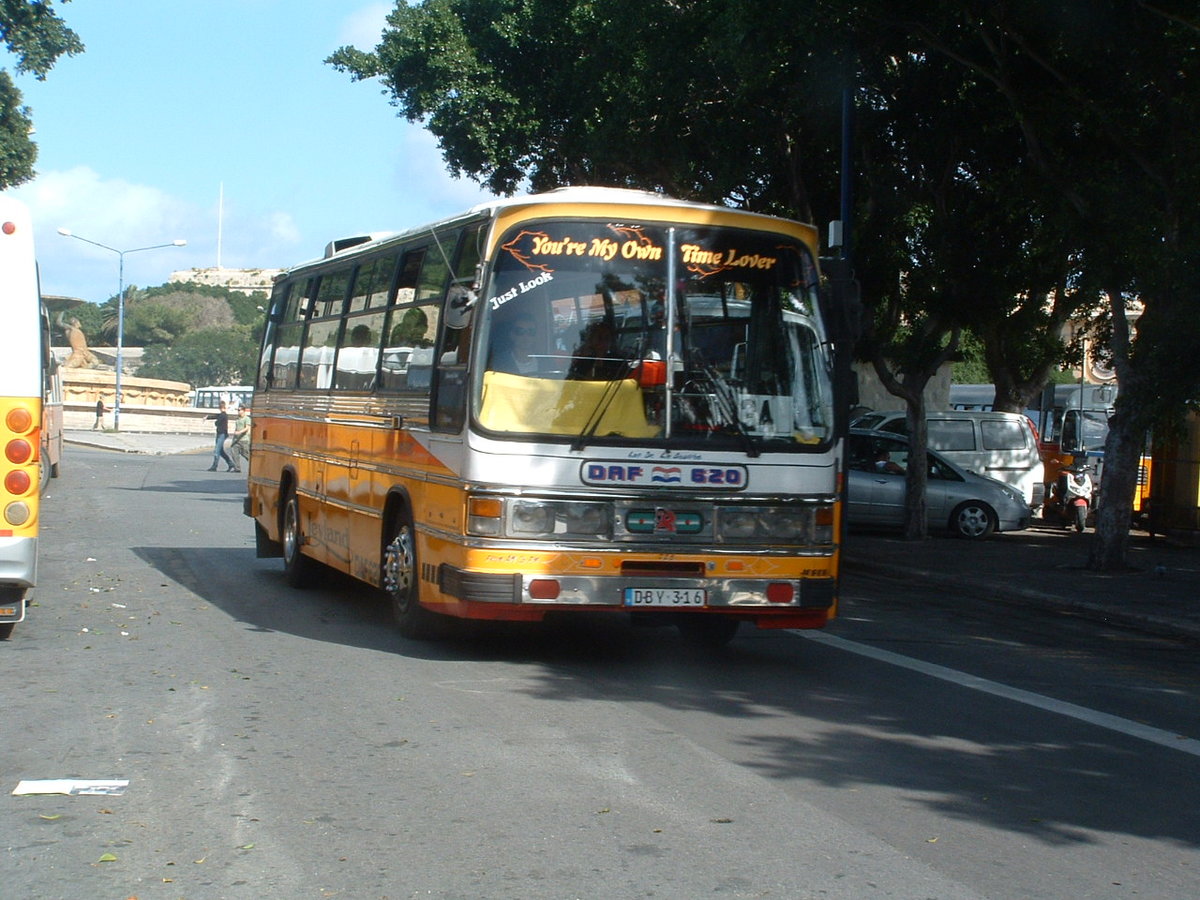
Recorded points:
(1001, 445)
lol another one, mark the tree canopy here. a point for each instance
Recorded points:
(196, 333)
(1016, 163)
(37, 37)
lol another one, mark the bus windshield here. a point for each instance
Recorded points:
(599, 332)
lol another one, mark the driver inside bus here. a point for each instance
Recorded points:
(513, 346)
(595, 357)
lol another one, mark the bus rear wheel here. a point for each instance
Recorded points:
(400, 583)
(297, 568)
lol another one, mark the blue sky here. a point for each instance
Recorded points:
(174, 99)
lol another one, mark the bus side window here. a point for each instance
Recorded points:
(290, 314)
(320, 340)
(449, 410)
(406, 325)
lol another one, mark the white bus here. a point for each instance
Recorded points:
(213, 395)
(21, 389)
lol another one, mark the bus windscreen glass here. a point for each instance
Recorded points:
(596, 331)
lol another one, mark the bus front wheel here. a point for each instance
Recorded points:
(400, 583)
(10, 596)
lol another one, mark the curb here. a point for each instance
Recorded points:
(98, 443)
(999, 592)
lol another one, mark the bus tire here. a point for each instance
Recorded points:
(402, 585)
(10, 596)
(297, 568)
(708, 631)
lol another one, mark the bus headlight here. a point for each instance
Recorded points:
(531, 517)
(739, 524)
(587, 518)
(528, 517)
(786, 525)
(811, 525)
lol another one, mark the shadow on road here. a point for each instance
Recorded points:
(794, 711)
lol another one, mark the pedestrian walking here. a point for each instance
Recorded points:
(219, 452)
(239, 438)
(101, 409)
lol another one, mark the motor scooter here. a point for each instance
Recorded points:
(1073, 495)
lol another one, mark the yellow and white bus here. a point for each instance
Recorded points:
(21, 386)
(589, 399)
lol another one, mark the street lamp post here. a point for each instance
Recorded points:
(65, 232)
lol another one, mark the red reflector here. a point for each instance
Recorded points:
(17, 481)
(780, 592)
(651, 373)
(18, 451)
(544, 589)
(10, 227)
(19, 420)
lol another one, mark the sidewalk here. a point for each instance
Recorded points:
(1043, 565)
(152, 443)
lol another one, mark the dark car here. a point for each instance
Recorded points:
(967, 505)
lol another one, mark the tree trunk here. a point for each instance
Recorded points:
(1122, 453)
(916, 518)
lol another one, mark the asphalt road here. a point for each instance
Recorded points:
(289, 744)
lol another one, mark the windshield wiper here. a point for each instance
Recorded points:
(727, 402)
(612, 387)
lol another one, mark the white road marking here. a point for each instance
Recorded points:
(1060, 707)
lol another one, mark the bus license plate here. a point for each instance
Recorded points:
(665, 596)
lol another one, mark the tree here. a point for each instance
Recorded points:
(1104, 94)
(1008, 154)
(699, 100)
(208, 356)
(162, 314)
(34, 33)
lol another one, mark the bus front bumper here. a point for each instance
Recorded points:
(757, 598)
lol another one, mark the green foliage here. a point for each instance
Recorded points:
(17, 151)
(699, 100)
(247, 309)
(972, 368)
(193, 333)
(207, 356)
(1016, 165)
(162, 314)
(149, 322)
(32, 32)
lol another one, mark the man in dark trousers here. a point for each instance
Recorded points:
(219, 451)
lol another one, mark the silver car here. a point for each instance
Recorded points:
(967, 505)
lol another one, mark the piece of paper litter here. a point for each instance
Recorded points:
(75, 787)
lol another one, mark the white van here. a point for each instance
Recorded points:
(1001, 445)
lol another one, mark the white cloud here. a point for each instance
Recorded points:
(111, 211)
(423, 182)
(363, 28)
(283, 228)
